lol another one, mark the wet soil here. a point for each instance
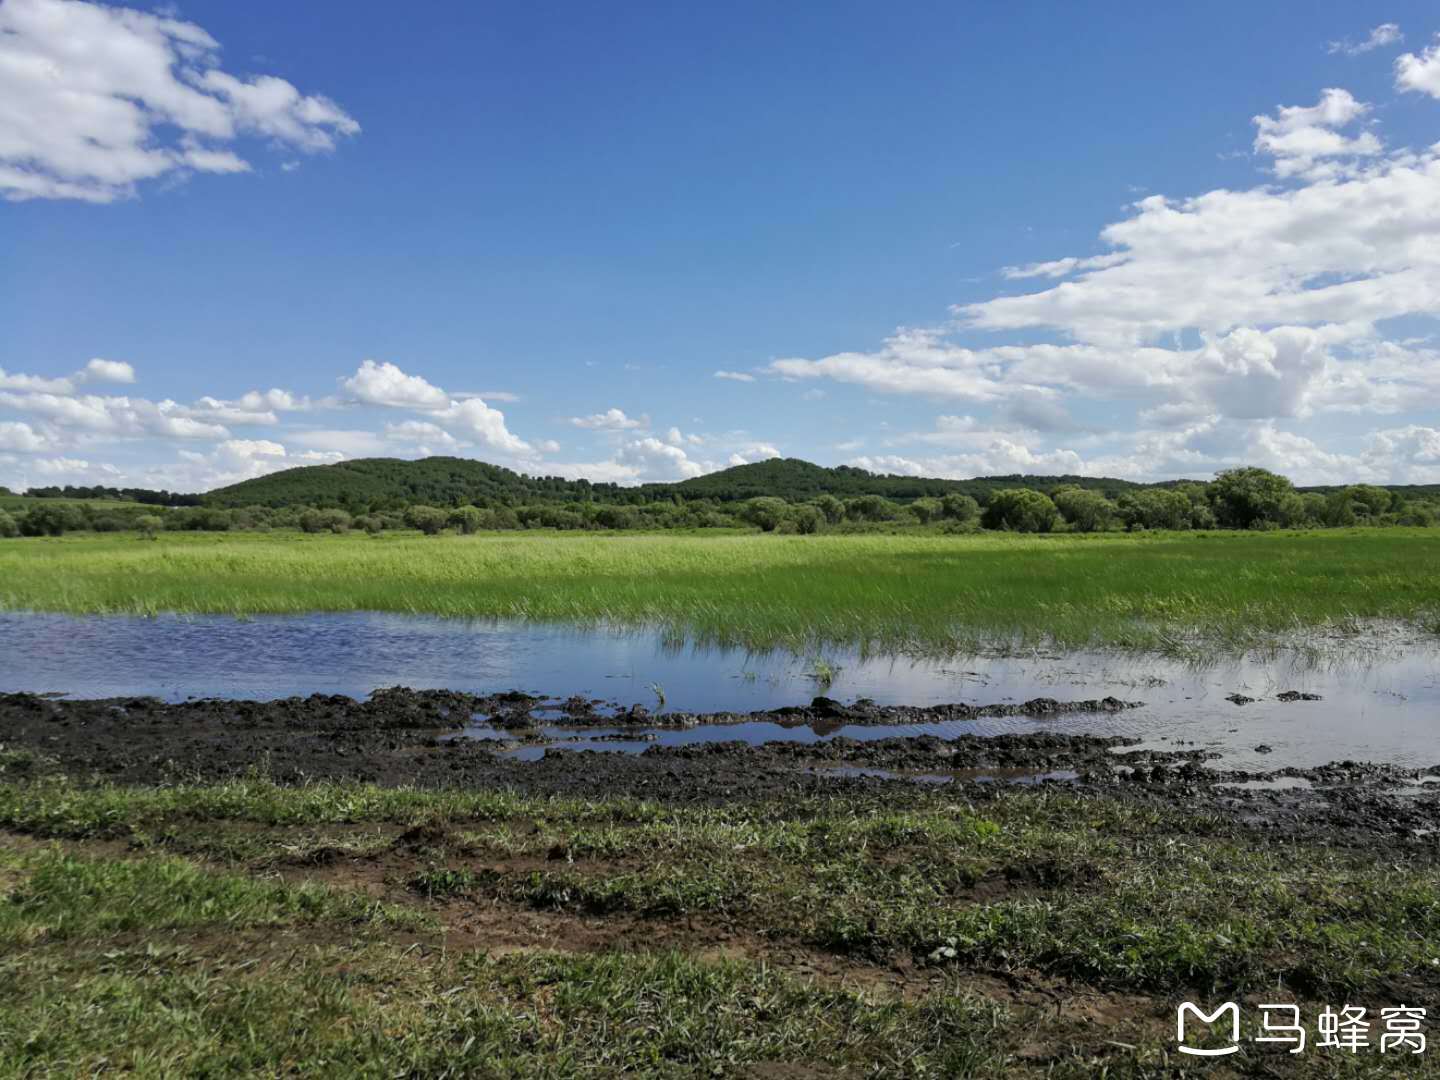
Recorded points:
(401, 736)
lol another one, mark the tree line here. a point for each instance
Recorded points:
(1241, 498)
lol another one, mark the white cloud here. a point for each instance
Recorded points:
(113, 371)
(1306, 140)
(1378, 38)
(1419, 74)
(346, 442)
(115, 416)
(16, 435)
(473, 419)
(735, 376)
(95, 99)
(17, 381)
(1408, 455)
(912, 361)
(1057, 268)
(422, 432)
(650, 459)
(97, 370)
(675, 437)
(1000, 457)
(385, 384)
(1348, 252)
(609, 420)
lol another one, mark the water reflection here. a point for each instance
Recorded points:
(1377, 704)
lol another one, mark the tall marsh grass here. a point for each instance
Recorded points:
(907, 594)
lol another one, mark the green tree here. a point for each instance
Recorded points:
(869, 508)
(766, 512)
(1248, 497)
(1086, 511)
(831, 507)
(1021, 510)
(149, 526)
(616, 517)
(8, 527)
(807, 518)
(467, 519)
(51, 521)
(1156, 508)
(1358, 504)
(961, 508)
(427, 519)
(927, 510)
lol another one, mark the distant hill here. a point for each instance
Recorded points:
(388, 483)
(394, 482)
(794, 479)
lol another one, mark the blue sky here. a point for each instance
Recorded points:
(238, 238)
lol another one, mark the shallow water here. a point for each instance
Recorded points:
(1378, 705)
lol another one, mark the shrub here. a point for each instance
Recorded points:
(318, 521)
(766, 512)
(1248, 497)
(1086, 511)
(962, 508)
(149, 526)
(927, 510)
(831, 507)
(467, 519)
(807, 518)
(8, 527)
(51, 521)
(1021, 510)
(869, 508)
(1157, 508)
(427, 519)
(616, 517)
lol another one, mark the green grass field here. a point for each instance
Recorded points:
(904, 594)
(344, 930)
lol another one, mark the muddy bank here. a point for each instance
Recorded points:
(405, 737)
(400, 736)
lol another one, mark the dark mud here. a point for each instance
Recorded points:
(405, 737)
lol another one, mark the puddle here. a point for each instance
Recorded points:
(1277, 783)
(1373, 705)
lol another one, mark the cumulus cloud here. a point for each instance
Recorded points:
(95, 99)
(112, 371)
(473, 419)
(17, 435)
(385, 384)
(650, 459)
(468, 420)
(1307, 140)
(97, 370)
(735, 376)
(114, 416)
(1378, 38)
(999, 457)
(1419, 74)
(609, 420)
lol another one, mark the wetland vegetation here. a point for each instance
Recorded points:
(1171, 592)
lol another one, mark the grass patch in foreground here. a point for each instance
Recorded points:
(917, 594)
(55, 896)
(1080, 887)
(383, 1012)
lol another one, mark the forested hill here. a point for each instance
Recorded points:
(390, 483)
(793, 479)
